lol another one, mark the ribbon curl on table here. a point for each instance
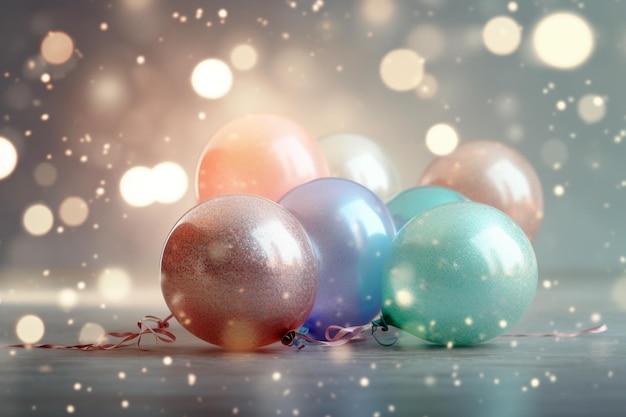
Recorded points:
(343, 335)
(147, 325)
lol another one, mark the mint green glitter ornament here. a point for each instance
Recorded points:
(458, 274)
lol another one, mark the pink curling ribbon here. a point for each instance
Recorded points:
(343, 335)
(337, 335)
(148, 325)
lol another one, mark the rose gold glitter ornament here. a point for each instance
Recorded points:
(239, 271)
(492, 173)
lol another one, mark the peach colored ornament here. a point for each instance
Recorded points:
(239, 271)
(492, 173)
(261, 154)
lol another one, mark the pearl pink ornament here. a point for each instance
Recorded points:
(239, 271)
(492, 173)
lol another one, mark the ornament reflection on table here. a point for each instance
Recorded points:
(351, 230)
(238, 271)
(360, 159)
(492, 173)
(261, 154)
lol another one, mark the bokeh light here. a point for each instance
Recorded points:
(428, 88)
(378, 11)
(8, 157)
(29, 329)
(170, 182)
(166, 183)
(45, 174)
(211, 79)
(554, 153)
(402, 69)
(428, 40)
(243, 57)
(136, 187)
(73, 211)
(441, 139)
(114, 284)
(563, 40)
(591, 108)
(57, 47)
(91, 333)
(67, 298)
(618, 292)
(38, 219)
(502, 35)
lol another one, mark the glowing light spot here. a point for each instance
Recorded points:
(364, 382)
(91, 333)
(563, 40)
(73, 211)
(404, 298)
(276, 376)
(561, 105)
(57, 48)
(125, 404)
(428, 40)
(108, 92)
(67, 298)
(243, 57)
(29, 329)
(114, 284)
(430, 381)
(503, 324)
(222, 13)
(402, 69)
(191, 379)
(554, 153)
(137, 187)
(167, 360)
(591, 108)
(78, 386)
(596, 317)
(141, 60)
(8, 157)
(547, 284)
(378, 11)
(70, 409)
(618, 293)
(534, 383)
(441, 139)
(45, 174)
(428, 87)
(38, 219)
(169, 181)
(559, 190)
(469, 321)
(502, 35)
(211, 79)
(512, 6)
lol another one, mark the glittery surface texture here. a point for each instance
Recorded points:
(261, 154)
(460, 274)
(492, 173)
(351, 230)
(414, 201)
(239, 271)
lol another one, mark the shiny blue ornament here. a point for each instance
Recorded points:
(458, 274)
(414, 201)
(351, 230)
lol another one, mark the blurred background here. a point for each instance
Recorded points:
(102, 122)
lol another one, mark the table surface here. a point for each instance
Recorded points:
(508, 376)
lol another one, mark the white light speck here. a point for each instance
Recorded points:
(534, 383)
(364, 382)
(596, 317)
(276, 376)
(167, 360)
(70, 409)
(191, 379)
(124, 404)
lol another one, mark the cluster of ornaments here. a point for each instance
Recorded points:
(291, 232)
